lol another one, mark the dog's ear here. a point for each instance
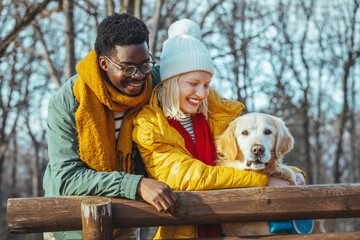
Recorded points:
(226, 145)
(284, 142)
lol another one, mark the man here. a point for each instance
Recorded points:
(90, 121)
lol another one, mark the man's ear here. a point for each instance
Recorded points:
(103, 64)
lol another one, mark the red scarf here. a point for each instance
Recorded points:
(205, 151)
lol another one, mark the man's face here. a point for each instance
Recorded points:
(134, 54)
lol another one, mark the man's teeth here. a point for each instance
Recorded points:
(135, 84)
(193, 100)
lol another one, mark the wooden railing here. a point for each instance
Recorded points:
(99, 215)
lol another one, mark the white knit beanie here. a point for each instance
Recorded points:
(184, 52)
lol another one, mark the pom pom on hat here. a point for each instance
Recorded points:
(184, 27)
(184, 52)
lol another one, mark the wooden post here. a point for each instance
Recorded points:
(97, 221)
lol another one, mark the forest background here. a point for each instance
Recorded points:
(298, 60)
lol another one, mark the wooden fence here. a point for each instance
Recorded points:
(97, 216)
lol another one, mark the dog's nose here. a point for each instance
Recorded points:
(257, 149)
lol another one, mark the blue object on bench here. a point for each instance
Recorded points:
(292, 226)
(302, 226)
(280, 226)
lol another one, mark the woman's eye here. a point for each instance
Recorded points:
(245, 133)
(192, 84)
(267, 132)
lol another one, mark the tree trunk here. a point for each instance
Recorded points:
(70, 61)
(35, 172)
(350, 62)
(110, 8)
(137, 8)
(354, 162)
(53, 73)
(2, 159)
(127, 6)
(155, 26)
(13, 190)
(318, 146)
(343, 120)
(230, 35)
(35, 161)
(131, 6)
(306, 126)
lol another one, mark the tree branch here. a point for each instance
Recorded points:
(26, 21)
(212, 8)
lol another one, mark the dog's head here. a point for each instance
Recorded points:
(254, 140)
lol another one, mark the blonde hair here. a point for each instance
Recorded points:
(169, 98)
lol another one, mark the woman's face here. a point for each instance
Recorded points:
(194, 88)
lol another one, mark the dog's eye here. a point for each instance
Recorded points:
(245, 133)
(267, 132)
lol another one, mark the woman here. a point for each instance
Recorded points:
(175, 133)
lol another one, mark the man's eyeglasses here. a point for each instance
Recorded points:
(132, 69)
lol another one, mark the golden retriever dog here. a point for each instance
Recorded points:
(256, 142)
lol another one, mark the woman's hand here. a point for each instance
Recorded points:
(277, 182)
(300, 180)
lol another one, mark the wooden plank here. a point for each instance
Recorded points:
(314, 236)
(196, 207)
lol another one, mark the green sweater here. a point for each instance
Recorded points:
(66, 174)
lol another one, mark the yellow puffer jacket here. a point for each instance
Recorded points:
(166, 159)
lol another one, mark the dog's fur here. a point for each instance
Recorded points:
(255, 142)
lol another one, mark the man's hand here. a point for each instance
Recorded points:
(277, 182)
(158, 194)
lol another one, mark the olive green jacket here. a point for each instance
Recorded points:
(66, 174)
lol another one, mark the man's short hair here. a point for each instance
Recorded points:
(119, 29)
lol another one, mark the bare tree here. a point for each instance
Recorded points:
(10, 107)
(319, 120)
(13, 191)
(31, 13)
(36, 168)
(305, 87)
(240, 26)
(293, 46)
(209, 11)
(155, 25)
(132, 6)
(232, 35)
(354, 164)
(352, 56)
(53, 72)
(110, 8)
(137, 8)
(70, 61)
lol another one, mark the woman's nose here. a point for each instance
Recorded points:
(201, 92)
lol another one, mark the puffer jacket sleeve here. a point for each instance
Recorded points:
(166, 159)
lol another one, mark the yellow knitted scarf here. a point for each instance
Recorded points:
(95, 119)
